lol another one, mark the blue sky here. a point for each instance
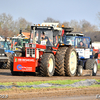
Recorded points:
(36, 11)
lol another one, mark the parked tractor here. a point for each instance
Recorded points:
(17, 43)
(82, 45)
(3, 58)
(5, 44)
(46, 54)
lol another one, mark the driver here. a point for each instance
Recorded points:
(45, 38)
(81, 44)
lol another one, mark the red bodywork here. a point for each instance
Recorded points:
(29, 64)
(97, 51)
(24, 64)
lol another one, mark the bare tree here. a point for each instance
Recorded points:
(51, 20)
(66, 24)
(6, 24)
(87, 26)
(21, 23)
(75, 25)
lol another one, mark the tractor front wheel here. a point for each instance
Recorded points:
(91, 64)
(47, 65)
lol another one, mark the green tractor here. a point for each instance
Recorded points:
(17, 43)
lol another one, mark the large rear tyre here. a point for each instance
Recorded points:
(70, 62)
(9, 60)
(16, 54)
(47, 65)
(60, 57)
(91, 64)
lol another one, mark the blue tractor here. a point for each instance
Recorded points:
(5, 44)
(82, 44)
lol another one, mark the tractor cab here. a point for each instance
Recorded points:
(42, 35)
(17, 43)
(68, 38)
(82, 46)
(80, 43)
(5, 44)
(45, 35)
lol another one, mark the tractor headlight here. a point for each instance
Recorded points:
(3, 54)
(27, 55)
(33, 55)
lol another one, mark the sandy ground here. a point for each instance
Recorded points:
(48, 94)
(5, 76)
(53, 94)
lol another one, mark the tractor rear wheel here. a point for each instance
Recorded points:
(59, 60)
(71, 62)
(91, 64)
(47, 65)
(8, 63)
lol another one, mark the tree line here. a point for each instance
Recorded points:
(10, 27)
(82, 26)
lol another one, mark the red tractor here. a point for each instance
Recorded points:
(46, 54)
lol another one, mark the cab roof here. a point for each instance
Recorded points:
(74, 34)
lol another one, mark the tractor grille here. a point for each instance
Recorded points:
(30, 53)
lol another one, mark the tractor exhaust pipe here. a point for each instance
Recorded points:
(32, 36)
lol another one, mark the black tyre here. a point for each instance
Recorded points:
(59, 61)
(17, 54)
(3, 65)
(47, 64)
(70, 62)
(11, 68)
(91, 64)
(8, 63)
(11, 63)
(79, 70)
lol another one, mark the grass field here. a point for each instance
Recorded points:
(40, 82)
(63, 82)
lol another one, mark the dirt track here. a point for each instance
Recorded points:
(54, 94)
(50, 94)
(5, 76)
